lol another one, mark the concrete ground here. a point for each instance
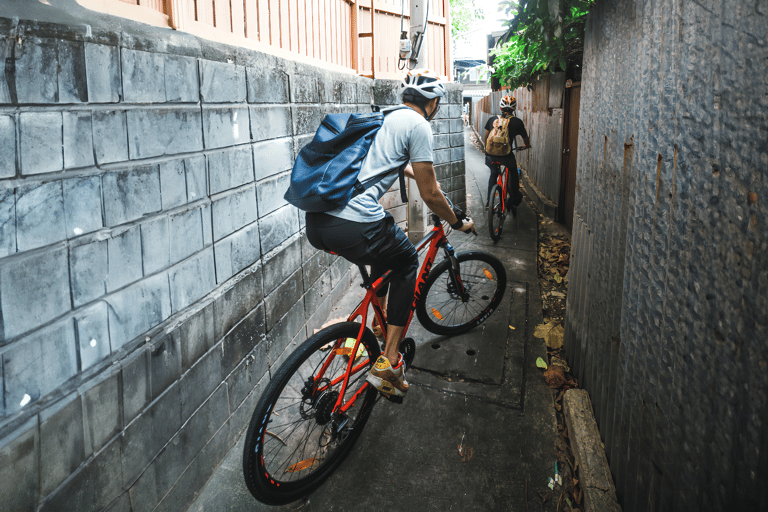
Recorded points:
(477, 430)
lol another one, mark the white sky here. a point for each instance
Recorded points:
(473, 46)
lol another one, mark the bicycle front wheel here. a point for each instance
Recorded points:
(297, 436)
(443, 310)
(495, 213)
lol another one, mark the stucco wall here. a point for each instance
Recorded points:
(151, 275)
(667, 324)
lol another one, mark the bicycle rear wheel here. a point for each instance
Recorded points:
(296, 438)
(443, 311)
(495, 213)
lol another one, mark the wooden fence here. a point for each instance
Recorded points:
(341, 33)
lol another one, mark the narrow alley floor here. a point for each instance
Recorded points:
(477, 431)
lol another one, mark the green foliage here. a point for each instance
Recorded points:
(463, 13)
(543, 36)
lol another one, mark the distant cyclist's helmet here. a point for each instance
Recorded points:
(422, 82)
(508, 103)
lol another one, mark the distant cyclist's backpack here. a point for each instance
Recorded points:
(324, 176)
(498, 143)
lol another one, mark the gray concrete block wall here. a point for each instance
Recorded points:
(150, 272)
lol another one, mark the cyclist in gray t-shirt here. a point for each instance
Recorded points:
(363, 233)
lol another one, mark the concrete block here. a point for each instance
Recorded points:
(198, 473)
(33, 290)
(457, 154)
(207, 225)
(230, 168)
(138, 308)
(20, 468)
(457, 140)
(314, 268)
(196, 336)
(233, 212)
(365, 93)
(281, 265)
(305, 89)
(134, 380)
(267, 85)
(199, 383)
(384, 93)
(196, 178)
(237, 302)
(62, 442)
(102, 70)
(156, 132)
(241, 416)
(270, 122)
(247, 375)
(121, 504)
(186, 231)
(270, 193)
(143, 439)
(89, 268)
(7, 146)
(155, 246)
(39, 215)
(92, 334)
(221, 82)
(39, 364)
(457, 125)
(181, 82)
(143, 76)
(280, 301)
(272, 157)
(440, 126)
(223, 127)
(164, 362)
(277, 227)
(124, 255)
(41, 142)
(441, 141)
(94, 487)
(110, 136)
(36, 72)
(242, 339)
(82, 205)
(306, 119)
(236, 252)
(292, 325)
(594, 473)
(454, 111)
(129, 195)
(72, 84)
(442, 156)
(192, 279)
(102, 417)
(173, 184)
(300, 142)
(7, 222)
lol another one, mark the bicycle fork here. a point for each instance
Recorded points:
(455, 274)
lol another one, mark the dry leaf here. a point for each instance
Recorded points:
(542, 330)
(555, 337)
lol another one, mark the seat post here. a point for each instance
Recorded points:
(366, 276)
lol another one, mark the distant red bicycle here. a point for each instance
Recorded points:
(318, 401)
(497, 203)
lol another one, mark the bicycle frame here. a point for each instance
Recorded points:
(433, 241)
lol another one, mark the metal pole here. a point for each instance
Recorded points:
(418, 10)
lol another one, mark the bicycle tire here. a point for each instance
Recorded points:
(284, 457)
(441, 311)
(495, 213)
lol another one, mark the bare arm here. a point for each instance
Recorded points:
(424, 174)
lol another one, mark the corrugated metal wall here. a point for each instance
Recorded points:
(667, 314)
(541, 111)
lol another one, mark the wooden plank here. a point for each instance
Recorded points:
(238, 17)
(285, 27)
(252, 19)
(274, 23)
(322, 24)
(222, 15)
(264, 21)
(293, 14)
(205, 11)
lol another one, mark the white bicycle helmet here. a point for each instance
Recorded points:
(422, 82)
(508, 103)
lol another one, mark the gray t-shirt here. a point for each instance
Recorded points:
(404, 136)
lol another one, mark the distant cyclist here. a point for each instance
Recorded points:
(363, 233)
(516, 127)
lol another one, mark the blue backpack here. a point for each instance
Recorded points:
(324, 176)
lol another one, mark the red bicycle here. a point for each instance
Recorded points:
(498, 204)
(317, 403)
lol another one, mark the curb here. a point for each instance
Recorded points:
(545, 206)
(594, 474)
